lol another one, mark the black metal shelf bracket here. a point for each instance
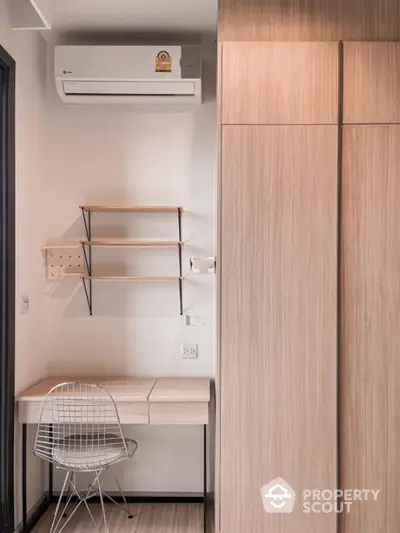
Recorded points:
(180, 260)
(87, 285)
(87, 253)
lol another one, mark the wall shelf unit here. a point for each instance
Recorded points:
(91, 242)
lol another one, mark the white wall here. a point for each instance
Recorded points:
(29, 52)
(66, 156)
(116, 155)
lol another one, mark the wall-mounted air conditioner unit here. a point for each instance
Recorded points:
(128, 74)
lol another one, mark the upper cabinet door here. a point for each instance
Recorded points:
(371, 83)
(309, 20)
(279, 83)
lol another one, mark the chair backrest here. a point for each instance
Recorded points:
(82, 421)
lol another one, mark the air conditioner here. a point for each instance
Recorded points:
(128, 74)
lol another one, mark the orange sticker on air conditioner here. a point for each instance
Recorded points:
(163, 62)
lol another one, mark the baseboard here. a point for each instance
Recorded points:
(35, 514)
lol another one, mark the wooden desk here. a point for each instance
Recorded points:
(173, 401)
(139, 400)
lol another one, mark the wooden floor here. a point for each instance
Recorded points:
(149, 518)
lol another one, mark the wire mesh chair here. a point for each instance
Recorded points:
(79, 431)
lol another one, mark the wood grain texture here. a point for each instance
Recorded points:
(133, 278)
(181, 390)
(130, 394)
(132, 208)
(180, 401)
(370, 362)
(61, 246)
(280, 83)
(134, 244)
(371, 83)
(309, 20)
(175, 400)
(149, 518)
(278, 321)
(134, 412)
(121, 388)
(179, 413)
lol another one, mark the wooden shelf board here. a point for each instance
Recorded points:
(137, 244)
(133, 278)
(61, 245)
(132, 209)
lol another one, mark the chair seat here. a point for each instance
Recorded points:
(91, 452)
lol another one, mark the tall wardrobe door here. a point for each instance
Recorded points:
(278, 321)
(370, 347)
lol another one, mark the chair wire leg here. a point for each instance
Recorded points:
(84, 499)
(54, 524)
(73, 490)
(81, 499)
(63, 513)
(102, 500)
(125, 507)
(119, 486)
(68, 497)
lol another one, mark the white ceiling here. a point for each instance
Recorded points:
(170, 16)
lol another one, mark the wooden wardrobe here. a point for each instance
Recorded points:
(309, 281)
(369, 355)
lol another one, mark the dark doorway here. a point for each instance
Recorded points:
(7, 290)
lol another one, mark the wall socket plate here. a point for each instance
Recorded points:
(190, 351)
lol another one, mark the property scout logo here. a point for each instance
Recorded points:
(163, 62)
(279, 497)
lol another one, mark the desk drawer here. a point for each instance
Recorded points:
(133, 412)
(129, 412)
(179, 413)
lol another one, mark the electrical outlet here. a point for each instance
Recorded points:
(190, 351)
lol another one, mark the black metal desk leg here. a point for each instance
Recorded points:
(50, 482)
(51, 468)
(205, 478)
(24, 500)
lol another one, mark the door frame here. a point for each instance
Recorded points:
(7, 288)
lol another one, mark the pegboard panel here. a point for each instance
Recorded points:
(63, 261)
